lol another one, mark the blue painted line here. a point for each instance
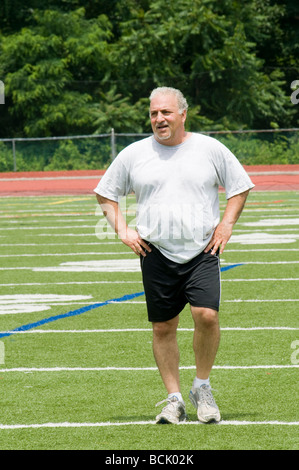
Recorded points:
(231, 266)
(79, 311)
(72, 313)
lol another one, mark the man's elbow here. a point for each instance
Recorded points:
(242, 196)
(245, 193)
(107, 205)
(101, 199)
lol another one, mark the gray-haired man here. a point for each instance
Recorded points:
(175, 176)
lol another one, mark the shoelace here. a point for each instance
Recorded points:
(169, 401)
(206, 395)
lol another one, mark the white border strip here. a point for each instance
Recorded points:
(140, 423)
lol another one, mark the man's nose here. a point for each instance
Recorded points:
(160, 116)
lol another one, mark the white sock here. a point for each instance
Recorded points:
(199, 382)
(176, 394)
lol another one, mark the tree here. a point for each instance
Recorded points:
(69, 69)
(52, 69)
(205, 48)
(112, 110)
(284, 55)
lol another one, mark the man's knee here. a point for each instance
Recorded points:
(165, 328)
(204, 317)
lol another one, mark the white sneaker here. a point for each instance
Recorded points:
(172, 413)
(203, 400)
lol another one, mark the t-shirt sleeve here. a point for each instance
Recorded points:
(232, 175)
(115, 182)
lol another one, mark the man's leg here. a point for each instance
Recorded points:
(205, 340)
(166, 353)
(167, 357)
(205, 344)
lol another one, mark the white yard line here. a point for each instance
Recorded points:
(274, 229)
(115, 253)
(134, 330)
(47, 228)
(276, 279)
(71, 283)
(260, 300)
(140, 423)
(89, 253)
(53, 268)
(113, 235)
(14, 307)
(5, 311)
(98, 243)
(136, 369)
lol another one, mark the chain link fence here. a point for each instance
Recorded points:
(96, 151)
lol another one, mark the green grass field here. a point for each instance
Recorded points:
(88, 380)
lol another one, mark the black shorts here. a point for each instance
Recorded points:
(169, 286)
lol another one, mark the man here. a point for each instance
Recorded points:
(175, 176)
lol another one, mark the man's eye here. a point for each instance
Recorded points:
(164, 113)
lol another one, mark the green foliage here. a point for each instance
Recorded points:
(45, 67)
(95, 153)
(77, 154)
(83, 155)
(257, 150)
(115, 111)
(77, 67)
(204, 49)
(6, 158)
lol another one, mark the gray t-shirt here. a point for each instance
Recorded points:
(176, 190)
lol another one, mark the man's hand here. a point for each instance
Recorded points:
(117, 221)
(220, 238)
(132, 239)
(224, 230)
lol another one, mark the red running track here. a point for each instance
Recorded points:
(265, 177)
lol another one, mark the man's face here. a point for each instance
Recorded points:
(167, 123)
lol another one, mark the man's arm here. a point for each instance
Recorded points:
(224, 229)
(117, 221)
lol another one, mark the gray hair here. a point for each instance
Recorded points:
(165, 90)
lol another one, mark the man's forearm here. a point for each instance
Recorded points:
(114, 215)
(128, 236)
(234, 208)
(224, 230)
